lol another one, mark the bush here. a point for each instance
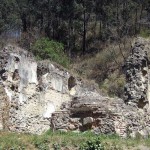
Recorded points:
(145, 33)
(56, 146)
(93, 144)
(41, 143)
(46, 49)
(114, 85)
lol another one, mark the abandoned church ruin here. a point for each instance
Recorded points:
(36, 96)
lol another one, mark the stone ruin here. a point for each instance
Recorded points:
(34, 90)
(36, 96)
(137, 75)
(104, 115)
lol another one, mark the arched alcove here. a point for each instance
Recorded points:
(71, 82)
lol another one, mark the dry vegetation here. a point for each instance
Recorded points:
(105, 67)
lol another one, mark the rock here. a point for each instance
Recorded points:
(34, 89)
(62, 130)
(88, 120)
(71, 127)
(4, 109)
(137, 76)
(144, 133)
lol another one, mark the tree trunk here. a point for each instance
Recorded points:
(84, 31)
(24, 22)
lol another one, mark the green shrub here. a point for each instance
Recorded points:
(114, 85)
(145, 33)
(49, 49)
(93, 144)
(41, 143)
(56, 146)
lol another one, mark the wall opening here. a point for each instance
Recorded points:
(141, 103)
(15, 75)
(71, 82)
(3, 74)
(17, 59)
(144, 72)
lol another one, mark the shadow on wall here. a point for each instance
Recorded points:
(71, 83)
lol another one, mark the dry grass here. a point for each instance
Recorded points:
(112, 56)
(101, 66)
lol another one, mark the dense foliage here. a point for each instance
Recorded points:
(46, 49)
(93, 144)
(102, 28)
(78, 24)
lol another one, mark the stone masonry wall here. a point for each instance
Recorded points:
(4, 109)
(137, 75)
(110, 116)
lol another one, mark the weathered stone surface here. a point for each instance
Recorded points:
(91, 111)
(4, 109)
(88, 120)
(137, 74)
(108, 116)
(38, 95)
(36, 89)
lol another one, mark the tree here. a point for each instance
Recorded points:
(75, 23)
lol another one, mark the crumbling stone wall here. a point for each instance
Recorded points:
(32, 97)
(42, 95)
(128, 117)
(4, 109)
(137, 75)
(110, 116)
(35, 89)
(87, 114)
(83, 121)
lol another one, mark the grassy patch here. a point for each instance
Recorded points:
(67, 141)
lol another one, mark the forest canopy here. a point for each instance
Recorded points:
(78, 24)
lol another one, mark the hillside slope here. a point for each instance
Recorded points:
(106, 67)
